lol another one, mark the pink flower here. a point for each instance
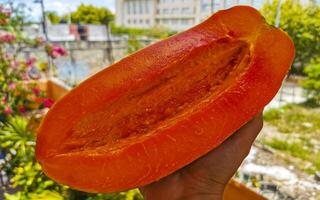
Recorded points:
(25, 77)
(22, 109)
(47, 102)
(54, 54)
(31, 61)
(55, 51)
(7, 37)
(36, 91)
(7, 12)
(8, 56)
(14, 64)
(8, 110)
(12, 86)
(60, 50)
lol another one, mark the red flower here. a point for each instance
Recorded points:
(36, 91)
(22, 109)
(31, 61)
(47, 102)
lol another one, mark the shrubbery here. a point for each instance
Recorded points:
(312, 82)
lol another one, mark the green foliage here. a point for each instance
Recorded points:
(19, 142)
(14, 135)
(29, 177)
(133, 45)
(156, 32)
(295, 148)
(129, 195)
(45, 195)
(302, 23)
(299, 136)
(312, 83)
(53, 17)
(89, 14)
(295, 118)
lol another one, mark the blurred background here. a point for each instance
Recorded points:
(48, 47)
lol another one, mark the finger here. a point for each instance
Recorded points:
(229, 155)
(245, 136)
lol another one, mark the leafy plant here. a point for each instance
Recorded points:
(299, 132)
(155, 32)
(17, 92)
(133, 45)
(17, 142)
(24, 172)
(45, 195)
(302, 23)
(312, 83)
(89, 14)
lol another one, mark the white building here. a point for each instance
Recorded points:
(172, 14)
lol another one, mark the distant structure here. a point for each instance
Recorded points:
(173, 14)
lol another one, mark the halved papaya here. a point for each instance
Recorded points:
(166, 105)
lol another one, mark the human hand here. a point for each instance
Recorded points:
(207, 177)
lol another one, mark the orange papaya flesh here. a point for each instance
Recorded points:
(166, 105)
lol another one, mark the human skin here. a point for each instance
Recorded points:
(206, 178)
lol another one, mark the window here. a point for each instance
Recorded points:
(148, 5)
(129, 21)
(184, 21)
(134, 7)
(165, 11)
(140, 7)
(147, 21)
(134, 21)
(141, 21)
(175, 10)
(128, 8)
(186, 11)
(165, 21)
(205, 5)
(174, 21)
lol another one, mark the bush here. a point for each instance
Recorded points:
(312, 83)
(155, 32)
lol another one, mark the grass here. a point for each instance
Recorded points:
(295, 118)
(299, 132)
(296, 149)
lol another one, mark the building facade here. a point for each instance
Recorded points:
(172, 14)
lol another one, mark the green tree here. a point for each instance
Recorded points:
(302, 23)
(53, 17)
(89, 14)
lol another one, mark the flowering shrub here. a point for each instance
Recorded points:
(6, 37)
(4, 15)
(55, 51)
(18, 92)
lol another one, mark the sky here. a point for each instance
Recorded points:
(62, 6)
